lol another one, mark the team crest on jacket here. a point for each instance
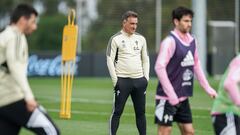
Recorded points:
(187, 76)
(123, 44)
(136, 46)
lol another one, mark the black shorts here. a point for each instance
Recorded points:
(166, 114)
(15, 115)
(226, 124)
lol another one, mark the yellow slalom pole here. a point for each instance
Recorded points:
(68, 98)
(71, 77)
(69, 49)
(63, 94)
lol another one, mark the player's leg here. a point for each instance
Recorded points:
(9, 115)
(237, 124)
(40, 123)
(164, 130)
(121, 93)
(164, 114)
(138, 96)
(224, 124)
(184, 118)
(8, 128)
(18, 114)
(186, 128)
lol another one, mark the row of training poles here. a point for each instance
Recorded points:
(69, 48)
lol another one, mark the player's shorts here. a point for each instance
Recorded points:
(226, 124)
(15, 115)
(166, 114)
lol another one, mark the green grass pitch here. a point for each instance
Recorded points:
(92, 105)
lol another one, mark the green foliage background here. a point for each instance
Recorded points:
(49, 33)
(48, 37)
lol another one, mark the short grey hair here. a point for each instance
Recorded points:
(129, 14)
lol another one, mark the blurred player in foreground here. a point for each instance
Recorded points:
(18, 107)
(226, 107)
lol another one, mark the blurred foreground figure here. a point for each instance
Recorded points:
(18, 107)
(226, 107)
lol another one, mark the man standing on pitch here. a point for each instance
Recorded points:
(226, 107)
(18, 107)
(128, 65)
(175, 67)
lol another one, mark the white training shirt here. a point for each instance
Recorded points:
(127, 56)
(14, 85)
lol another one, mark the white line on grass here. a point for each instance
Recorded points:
(108, 113)
(97, 101)
(125, 114)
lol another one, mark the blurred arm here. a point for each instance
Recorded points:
(17, 65)
(232, 81)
